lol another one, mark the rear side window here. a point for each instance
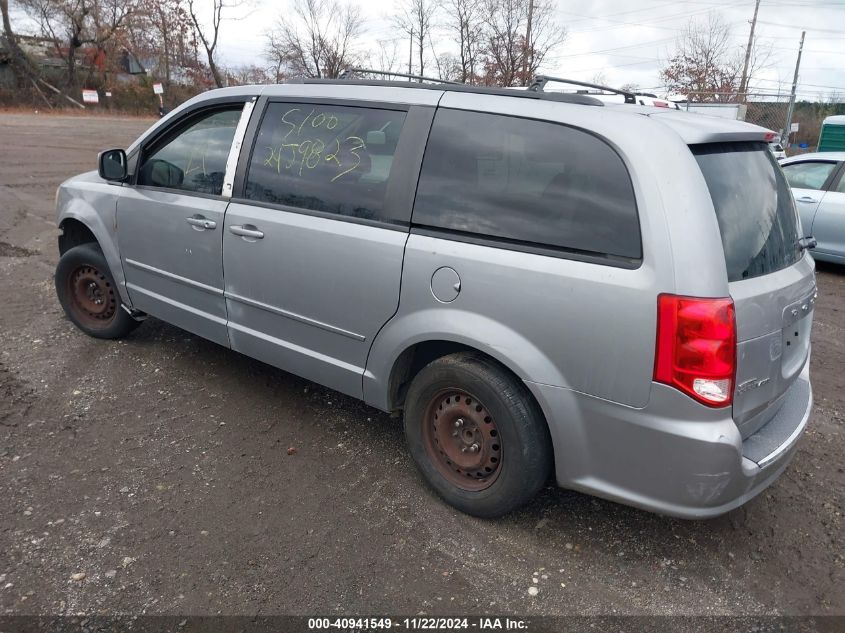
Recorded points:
(531, 182)
(334, 159)
(754, 207)
(808, 175)
(195, 159)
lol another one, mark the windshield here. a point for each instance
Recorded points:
(754, 207)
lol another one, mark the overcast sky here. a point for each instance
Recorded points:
(627, 40)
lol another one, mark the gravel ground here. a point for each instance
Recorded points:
(152, 475)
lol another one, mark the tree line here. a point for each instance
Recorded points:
(488, 42)
(491, 42)
(485, 42)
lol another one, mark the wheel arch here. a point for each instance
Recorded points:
(81, 223)
(412, 340)
(417, 355)
(73, 233)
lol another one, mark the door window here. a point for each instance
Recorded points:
(334, 159)
(530, 182)
(841, 186)
(194, 160)
(808, 175)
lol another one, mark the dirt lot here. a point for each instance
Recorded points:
(158, 467)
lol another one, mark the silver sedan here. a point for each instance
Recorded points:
(818, 184)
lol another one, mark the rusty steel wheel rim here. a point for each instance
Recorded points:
(92, 297)
(462, 440)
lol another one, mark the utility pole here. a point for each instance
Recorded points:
(411, 54)
(526, 55)
(792, 96)
(743, 85)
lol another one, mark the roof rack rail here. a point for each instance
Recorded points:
(562, 97)
(540, 82)
(350, 73)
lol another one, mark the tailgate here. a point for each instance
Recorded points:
(774, 317)
(771, 280)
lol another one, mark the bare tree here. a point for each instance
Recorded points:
(599, 78)
(762, 57)
(109, 21)
(316, 38)
(74, 24)
(163, 29)
(511, 57)
(415, 18)
(705, 65)
(209, 33)
(466, 21)
(448, 66)
(21, 65)
(248, 74)
(386, 57)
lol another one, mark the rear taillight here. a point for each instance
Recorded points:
(696, 347)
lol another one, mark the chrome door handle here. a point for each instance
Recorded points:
(807, 199)
(201, 222)
(247, 230)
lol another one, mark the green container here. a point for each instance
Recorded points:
(832, 138)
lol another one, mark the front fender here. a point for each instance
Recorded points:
(95, 207)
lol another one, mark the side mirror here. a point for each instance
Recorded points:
(112, 165)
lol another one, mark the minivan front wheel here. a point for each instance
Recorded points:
(476, 434)
(88, 294)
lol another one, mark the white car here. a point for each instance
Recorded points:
(818, 184)
(777, 150)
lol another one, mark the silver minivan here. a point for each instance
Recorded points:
(541, 284)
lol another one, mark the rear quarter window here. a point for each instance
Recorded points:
(754, 207)
(529, 182)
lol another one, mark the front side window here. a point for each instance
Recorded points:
(532, 182)
(195, 159)
(809, 175)
(334, 159)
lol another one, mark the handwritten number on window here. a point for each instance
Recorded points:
(357, 144)
(310, 151)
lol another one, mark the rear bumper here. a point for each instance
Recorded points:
(674, 456)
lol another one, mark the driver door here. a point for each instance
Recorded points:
(170, 223)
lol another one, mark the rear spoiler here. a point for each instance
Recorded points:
(698, 128)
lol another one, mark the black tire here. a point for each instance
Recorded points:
(89, 295)
(522, 460)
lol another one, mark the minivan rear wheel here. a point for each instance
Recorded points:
(476, 434)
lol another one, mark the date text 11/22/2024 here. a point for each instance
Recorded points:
(420, 623)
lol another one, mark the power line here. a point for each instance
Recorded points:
(786, 83)
(808, 28)
(657, 6)
(648, 25)
(619, 48)
(610, 67)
